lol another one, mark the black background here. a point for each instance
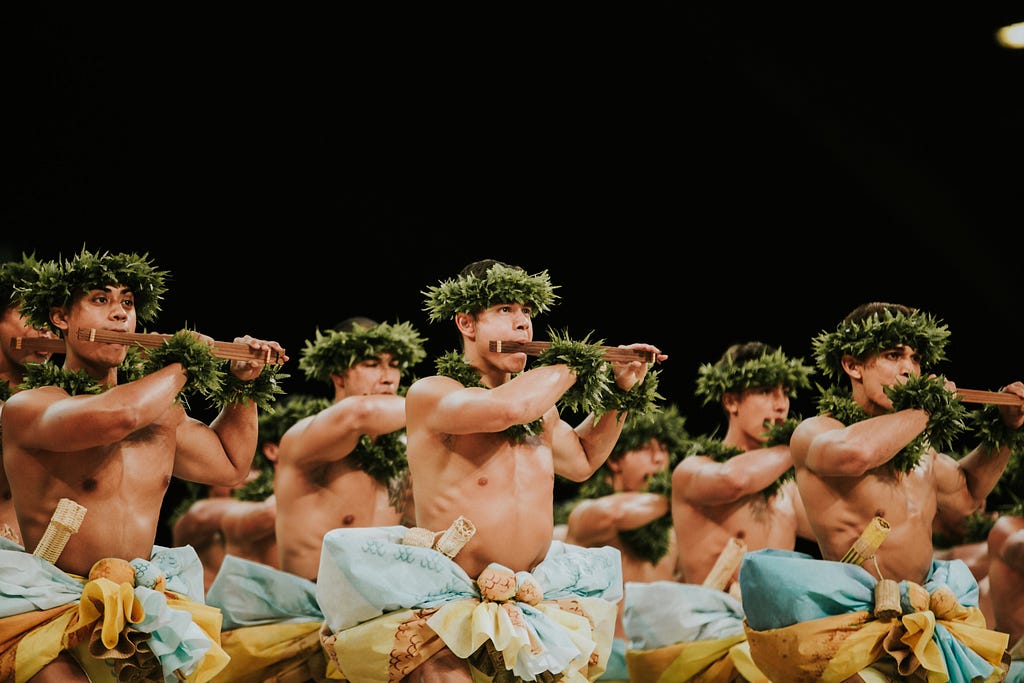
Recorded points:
(688, 176)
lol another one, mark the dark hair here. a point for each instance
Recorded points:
(480, 268)
(740, 353)
(865, 311)
(349, 324)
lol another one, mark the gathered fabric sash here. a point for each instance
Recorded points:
(389, 606)
(813, 620)
(110, 628)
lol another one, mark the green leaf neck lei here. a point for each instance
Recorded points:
(453, 364)
(383, 458)
(719, 451)
(5, 390)
(74, 382)
(260, 488)
(651, 541)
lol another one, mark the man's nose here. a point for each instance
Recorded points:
(780, 399)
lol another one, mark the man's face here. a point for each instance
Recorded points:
(377, 375)
(14, 325)
(758, 405)
(111, 308)
(636, 467)
(505, 322)
(888, 368)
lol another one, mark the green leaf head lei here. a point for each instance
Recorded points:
(875, 327)
(12, 275)
(666, 426)
(337, 350)
(485, 283)
(751, 365)
(57, 282)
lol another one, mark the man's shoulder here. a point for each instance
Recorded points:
(432, 385)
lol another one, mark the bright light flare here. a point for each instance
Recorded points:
(1011, 35)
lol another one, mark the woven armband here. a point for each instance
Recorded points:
(946, 412)
(640, 399)
(202, 367)
(988, 424)
(587, 361)
(263, 390)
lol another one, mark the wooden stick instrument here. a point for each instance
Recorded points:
(221, 349)
(535, 348)
(992, 397)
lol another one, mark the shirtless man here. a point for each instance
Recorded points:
(114, 452)
(249, 526)
(200, 525)
(626, 505)
(276, 639)
(485, 436)
(860, 459)
(240, 520)
(12, 365)
(345, 466)
(740, 487)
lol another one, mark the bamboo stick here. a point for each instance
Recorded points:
(66, 520)
(870, 539)
(726, 564)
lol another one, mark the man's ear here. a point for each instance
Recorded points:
(731, 402)
(338, 380)
(852, 366)
(59, 317)
(466, 324)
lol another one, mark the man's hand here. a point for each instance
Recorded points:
(629, 373)
(247, 370)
